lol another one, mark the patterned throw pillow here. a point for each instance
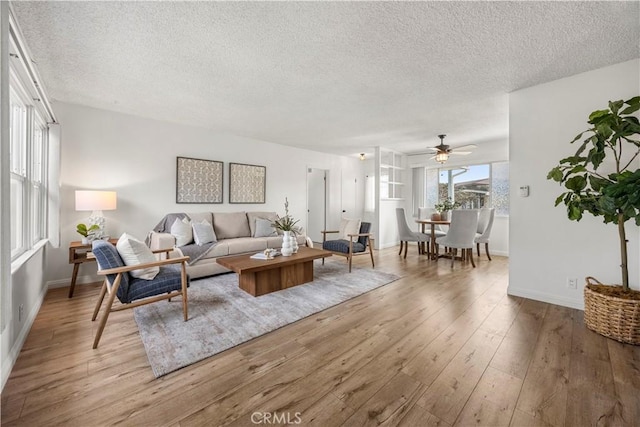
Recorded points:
(181, 230)
(203, 232)
(134, 252)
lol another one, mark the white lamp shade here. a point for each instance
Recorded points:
(96, 200)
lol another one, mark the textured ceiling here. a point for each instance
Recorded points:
(340, 77)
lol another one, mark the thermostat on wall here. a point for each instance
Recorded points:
(524, 191)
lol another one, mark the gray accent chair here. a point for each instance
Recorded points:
(462, 233)
(485, 224)
(350, 248)
(406, 235)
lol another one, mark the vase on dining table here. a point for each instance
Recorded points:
(444, 216)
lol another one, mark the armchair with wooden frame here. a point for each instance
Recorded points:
(356, 245)
(170, 282)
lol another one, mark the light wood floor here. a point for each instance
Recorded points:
(438, 347)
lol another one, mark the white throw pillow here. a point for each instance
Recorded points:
(264, 228)
(349, 226)
(181, 230)
(134, 252)
(203, 232)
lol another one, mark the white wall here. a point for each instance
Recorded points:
(27, 291)
(137, 158)
(545, 247)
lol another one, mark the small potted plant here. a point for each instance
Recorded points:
(87, 233)
(288, 226)
(444, 207)
(614, 194)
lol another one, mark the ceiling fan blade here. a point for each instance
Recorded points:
(460, 153)
(465, 147)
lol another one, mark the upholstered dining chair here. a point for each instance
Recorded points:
(170, 282)
(356, 245)
(485, 224)
(461, 235)
(406, 235)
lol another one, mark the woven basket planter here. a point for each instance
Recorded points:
(612, 316)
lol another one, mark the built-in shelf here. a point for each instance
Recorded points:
(392, 172)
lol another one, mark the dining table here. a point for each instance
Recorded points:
(433, 222)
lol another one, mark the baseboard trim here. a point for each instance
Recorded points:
(81, 280)
(7, 365)
(545, 297)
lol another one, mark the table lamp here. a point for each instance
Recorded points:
(96, 201)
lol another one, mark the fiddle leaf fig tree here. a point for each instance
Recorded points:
(615, 194)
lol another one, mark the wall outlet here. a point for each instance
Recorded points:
(572, 283)
(20, 312)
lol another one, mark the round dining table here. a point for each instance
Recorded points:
(433, 222)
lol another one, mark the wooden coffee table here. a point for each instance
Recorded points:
(262, 276)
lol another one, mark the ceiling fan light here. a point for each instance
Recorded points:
(442, 157)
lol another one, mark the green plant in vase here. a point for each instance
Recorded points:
(445, 206)
(608, 189)
(288, 226)
(87, 232)
(286, 223)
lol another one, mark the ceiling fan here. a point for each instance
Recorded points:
(442, 151)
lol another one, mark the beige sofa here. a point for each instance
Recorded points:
(235, 233)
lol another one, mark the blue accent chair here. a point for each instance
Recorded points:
(350, 248)
(171, 281)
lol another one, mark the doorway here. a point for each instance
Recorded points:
(316, 203)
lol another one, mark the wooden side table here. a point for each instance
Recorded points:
(79, 254)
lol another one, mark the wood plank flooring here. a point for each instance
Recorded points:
(439, 347)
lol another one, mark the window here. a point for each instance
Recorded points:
(18, 170)
(500, 188)
(473, 186)
(469, 186)
(28, 136)
(38, 154)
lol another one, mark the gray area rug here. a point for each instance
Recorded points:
(221, 315)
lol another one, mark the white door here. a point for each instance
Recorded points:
(317, 202)
(349, 194)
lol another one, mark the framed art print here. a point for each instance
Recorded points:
(247, 183)
(198, 181)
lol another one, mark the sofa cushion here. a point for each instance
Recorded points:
(252, 216)
(231, 225)
(203, 232)
(134, 252)
(181, 230)
(201, 216)
(246, 244)
(274, 242)
(264, 228)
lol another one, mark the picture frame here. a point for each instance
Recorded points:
(247, 183)
(199, 181)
